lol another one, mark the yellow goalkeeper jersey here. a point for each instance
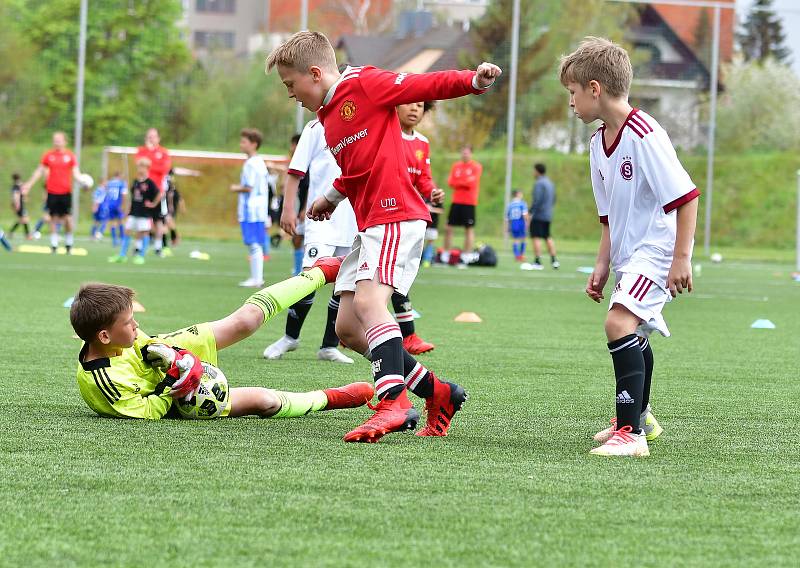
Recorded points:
(127, 386)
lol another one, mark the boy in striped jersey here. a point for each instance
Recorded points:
(648, 210)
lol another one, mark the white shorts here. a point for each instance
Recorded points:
(139, 224)
(393, 251)
(315, 251)
(643, 298)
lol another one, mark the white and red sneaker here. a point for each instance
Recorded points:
(624, 442)
(647, 422)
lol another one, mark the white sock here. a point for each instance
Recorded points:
(257, 263)
(158, 243)
(69, 239)
(53, 239)
(139, 244)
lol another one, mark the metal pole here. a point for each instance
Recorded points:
(298, 117)
(798, 222)
(712, 127)
(512, 106)
(76, 192)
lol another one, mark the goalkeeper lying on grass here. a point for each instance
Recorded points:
(124, 373)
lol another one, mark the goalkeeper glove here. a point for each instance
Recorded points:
(179, 364)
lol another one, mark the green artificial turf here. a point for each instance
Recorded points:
(513, 484)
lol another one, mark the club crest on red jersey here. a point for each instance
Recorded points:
(419, 154)
(626, 169)
(348, 111)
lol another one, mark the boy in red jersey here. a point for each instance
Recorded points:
(357, 110)
(417, 152)
(160, 165)
(59, 167)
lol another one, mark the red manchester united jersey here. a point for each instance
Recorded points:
(59, 164)
(160, 163)
(418, 159)
(465, 179)
(363, 134)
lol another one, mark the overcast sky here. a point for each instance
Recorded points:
(789, 11)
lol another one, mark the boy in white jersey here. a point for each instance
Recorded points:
(334, 237)
(253, 207)
(648, 209)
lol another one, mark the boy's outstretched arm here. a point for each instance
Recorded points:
(391, 89)
(680, 273)
(265, 304)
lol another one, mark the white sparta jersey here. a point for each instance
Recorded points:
(254, 204)
(313, 158)
(638, 184)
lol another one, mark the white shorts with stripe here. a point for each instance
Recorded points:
(392, 251)
(313, 252)
(138, 224)
(643, 298)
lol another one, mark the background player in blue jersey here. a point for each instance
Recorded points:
(99, 212)
(116, 190)
(517, 222)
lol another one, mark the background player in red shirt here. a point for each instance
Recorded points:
(465, 179)
(417, 151)
(357, 110)
(60, 167)
(160, 164)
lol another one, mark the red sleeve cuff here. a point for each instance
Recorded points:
(673, 205)
(604, 219)
(297, 173)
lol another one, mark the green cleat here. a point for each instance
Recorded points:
(166, 252)
(647, 422)
(118, 259)
(138, 259)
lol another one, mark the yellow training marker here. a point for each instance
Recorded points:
(42, 249)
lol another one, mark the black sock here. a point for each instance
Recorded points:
(403, 315)
(164, 240)
(647, 353)
(419, 380)
(12, 229)
(552, 258)
(537, 260)
(173, 235)
(330, 339)
(386, 348)
(26, 229)
(297, 315)
(629, 370)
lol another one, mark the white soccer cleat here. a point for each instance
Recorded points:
(647, 422)
(249, 283)
(334, 355)
(536, 266)
(624, 442)
(281, 347)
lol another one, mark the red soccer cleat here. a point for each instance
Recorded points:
(330, 267)
(447, 399)
(349, 396)
(415, 345)
(390, 416)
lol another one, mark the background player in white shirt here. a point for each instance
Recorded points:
(648, 209)
(334, 237)
(253, 208)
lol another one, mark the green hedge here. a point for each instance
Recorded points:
(755, 195)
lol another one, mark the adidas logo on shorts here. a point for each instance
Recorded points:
(624, 398)
(363, 267)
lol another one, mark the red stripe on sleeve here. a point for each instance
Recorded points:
(671, 206)
(297, 173)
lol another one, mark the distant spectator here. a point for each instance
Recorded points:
(542, 202)
(465, 180)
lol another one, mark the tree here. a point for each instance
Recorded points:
(762, 34)
(135, 60)
(547, 30)
(759, 108)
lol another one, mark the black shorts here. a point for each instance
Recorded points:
(59, 205)
(540, 229)
(461, 215)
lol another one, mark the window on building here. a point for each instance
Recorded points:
(213, 40)
(216, 6)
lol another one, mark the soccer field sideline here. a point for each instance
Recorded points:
(512, 485)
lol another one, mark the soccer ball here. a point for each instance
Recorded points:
(211, 397)
(86, 181)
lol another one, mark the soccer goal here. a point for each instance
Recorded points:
(203, 178)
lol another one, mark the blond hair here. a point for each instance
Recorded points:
(96, 307)
(303, 50)
(598, 59)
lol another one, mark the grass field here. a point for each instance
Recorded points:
(513, 483)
